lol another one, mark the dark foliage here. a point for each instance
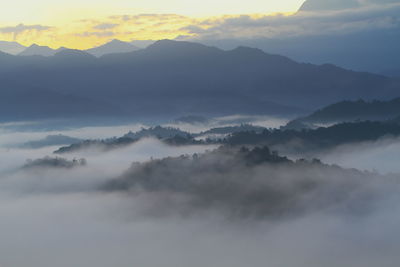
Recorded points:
(54, 162)
(246, 183)
(319, 138)
(103, 145)
(347, 111)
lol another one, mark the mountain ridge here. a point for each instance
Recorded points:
(112, 47)
(175, 78)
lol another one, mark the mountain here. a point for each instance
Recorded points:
(170, 136)
(221, 131)
(373, 50)
(36, 50)
(318, 139)
(210, 72)
(349, 111)
(68, 57)
(171, 78)
(12, 48)
(113, 47)
(157, 132)
(143, 43)
(392, 73)
(32, 103)
(326, 32)
(252, 184)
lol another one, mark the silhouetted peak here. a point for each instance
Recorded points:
(115, 46)
(119, 43)
(34, 46)
(37, 50)
(116, 41)
(179, 46)
(12, 48)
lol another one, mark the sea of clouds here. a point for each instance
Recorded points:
(63, 217)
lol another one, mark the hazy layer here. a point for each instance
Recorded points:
(58, 217)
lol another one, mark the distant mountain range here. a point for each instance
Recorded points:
(113, 47)
(372, 51)
(171, 78)
(12, 48)
(347, 50)
(37, 50)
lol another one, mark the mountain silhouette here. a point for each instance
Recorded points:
(37, 50)
(172, 78)
(350, 111)
(12, 48)
(113, 47)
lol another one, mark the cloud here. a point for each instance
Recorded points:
(378, 155)
(300, 24)
(96, 34)
(323, 5)
(313, 5)
(193, 29)
(21, 28)
(110, 229)
(149, 16)
(105, 26)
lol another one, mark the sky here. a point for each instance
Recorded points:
(83, 24)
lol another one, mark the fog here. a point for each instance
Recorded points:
(263, 121)
(381, 155)
(9, 136)
(64, 217)
(90, 230)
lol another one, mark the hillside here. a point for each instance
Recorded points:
(348, 111)
(190, 78)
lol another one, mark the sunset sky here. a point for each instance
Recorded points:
(83, 24)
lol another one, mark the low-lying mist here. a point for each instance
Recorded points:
(206, 124)
(381, 155)
(252, 184)
(133, 207)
